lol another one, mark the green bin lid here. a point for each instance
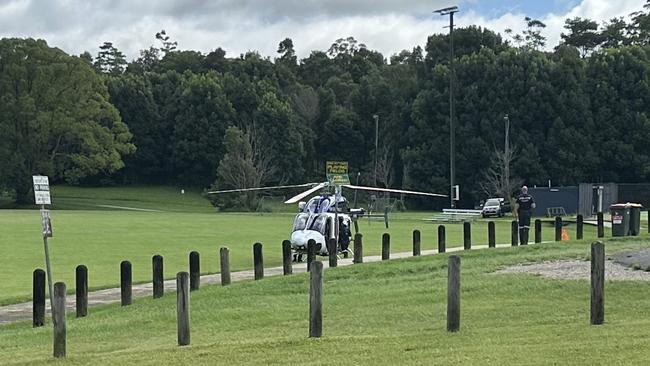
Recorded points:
(626, 205)
(619, 206)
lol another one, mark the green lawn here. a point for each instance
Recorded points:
(388, 313)
(101, 237)
(168, 199)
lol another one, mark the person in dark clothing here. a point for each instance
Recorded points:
(525, 204)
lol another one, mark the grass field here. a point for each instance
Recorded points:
(101, 237)
(389, 313)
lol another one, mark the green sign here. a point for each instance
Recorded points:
(337, 172)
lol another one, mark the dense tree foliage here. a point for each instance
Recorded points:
(55, 118)
(578, 113)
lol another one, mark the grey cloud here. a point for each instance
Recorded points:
(241, 25)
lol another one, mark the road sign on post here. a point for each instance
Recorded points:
(337, 175)
(46, 223)
(42, 197)
(337, 172)
(41, 190)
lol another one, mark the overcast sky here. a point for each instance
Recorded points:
(242, 25)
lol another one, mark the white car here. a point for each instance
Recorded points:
(495, 207)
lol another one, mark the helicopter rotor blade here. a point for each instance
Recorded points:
(306, 193)
(262, 188)
(364, 188)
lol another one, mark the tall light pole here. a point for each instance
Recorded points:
(506, 157)
(376, 117)
(452, 149)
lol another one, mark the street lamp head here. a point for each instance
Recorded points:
(445, 11)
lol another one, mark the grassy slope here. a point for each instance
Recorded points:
(381, 313)
(101, 239)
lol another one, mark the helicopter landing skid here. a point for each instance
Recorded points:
(297, 257)
(298, 254)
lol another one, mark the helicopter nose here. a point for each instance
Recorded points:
(299, 239)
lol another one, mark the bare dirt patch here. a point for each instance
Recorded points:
(578, 270)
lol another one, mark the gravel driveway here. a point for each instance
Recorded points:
(578, 269)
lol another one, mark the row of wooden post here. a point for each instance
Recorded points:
(467, 233)
(258, 261)
(38, 295)
(186, 282)
(184, 285)
(597, 292)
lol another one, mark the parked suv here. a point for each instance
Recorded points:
(495, 207)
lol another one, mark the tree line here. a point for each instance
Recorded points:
(578, 113)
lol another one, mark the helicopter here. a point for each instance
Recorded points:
(325, 216)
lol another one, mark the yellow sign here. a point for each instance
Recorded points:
(337, 172)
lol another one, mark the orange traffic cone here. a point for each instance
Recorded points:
(565, 236)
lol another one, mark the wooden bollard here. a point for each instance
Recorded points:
(385, 247)
(125, 283)
(597, 283)
(558, 228)
(492, 237)
(332, 252)
(59, 320)
(316, 300)
(416, 243)
(601, 225)
(258, 261)
(358, 248)
(195, 271)
(158, 276)
(514, 233)
(311, 252)
(183, 308)
(538, 231)
(467, 235)
(453, 294)
(224, 259)
(442, 240)
(287, 267)
(579, 227)
(81, 290)
(38, 298)
(386, 216)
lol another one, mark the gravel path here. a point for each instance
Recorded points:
(578, 270)
(639, 259)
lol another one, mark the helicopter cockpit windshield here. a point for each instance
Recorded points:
(300, 222)
(318, 204)
(319, 224)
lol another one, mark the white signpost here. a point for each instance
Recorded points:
(42, 197)
(41, 190)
